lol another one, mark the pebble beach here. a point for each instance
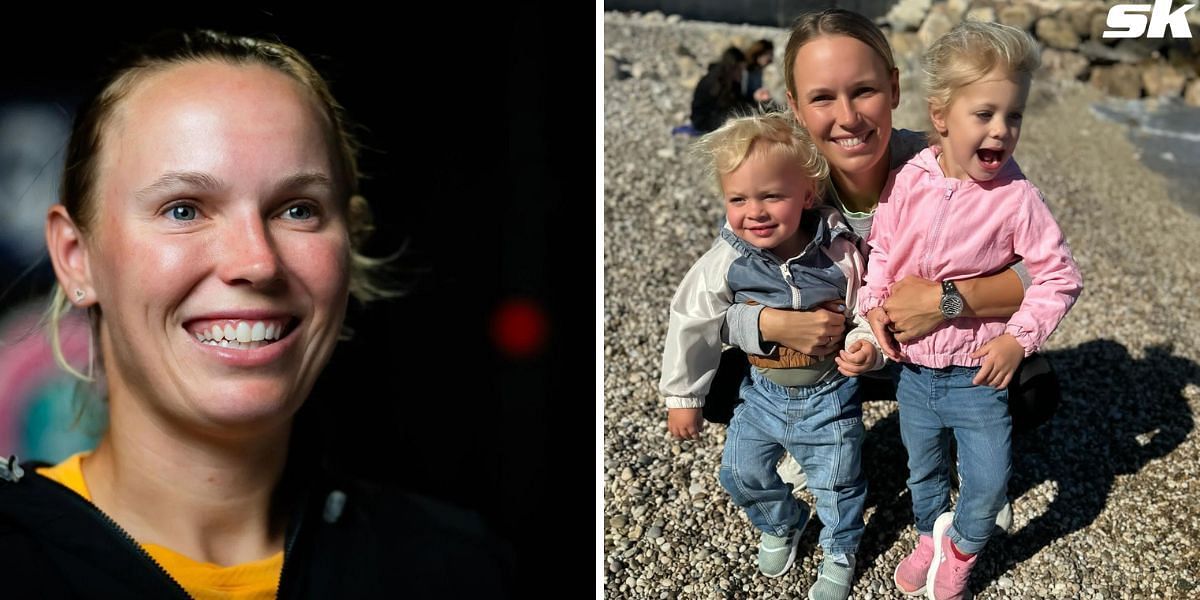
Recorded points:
(1105, 496)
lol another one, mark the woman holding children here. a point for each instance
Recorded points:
(954, 315)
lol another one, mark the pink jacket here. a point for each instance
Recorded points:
(938, 228)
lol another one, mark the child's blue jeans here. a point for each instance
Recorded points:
(938, 403)
(821, 426)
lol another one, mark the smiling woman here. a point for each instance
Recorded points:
(208, 223)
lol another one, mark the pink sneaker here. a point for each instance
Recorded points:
(948, 576)
(910, 573)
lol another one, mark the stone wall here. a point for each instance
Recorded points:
(1070, 32)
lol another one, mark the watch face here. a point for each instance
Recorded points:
(951, 306)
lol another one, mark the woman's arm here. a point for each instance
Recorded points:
(756, 329)
(913, 305)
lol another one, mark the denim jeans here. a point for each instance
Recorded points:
(938, 403)
(821, 426)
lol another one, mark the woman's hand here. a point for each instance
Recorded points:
(1001, 357)
(762, 95)
(913, 308)
(881, 326)
(685, 423)
(857, 359)
(816, 332)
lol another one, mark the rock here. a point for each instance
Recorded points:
(1064, 65)
(618, 522)
(612, 69)
(655, 533)
(1107, 55)
(674, 18)
(1056, 33)
(1191, 94)
(1079, 14)
(905, 43)
(626, 474)
(936, 24)
(1122, 81)
(1142, 48)
(635, 533)
(1046, 7)
(1162, 80)
(1097, 26)
(981, 13)
(906, 15)
(1184, 60)
(955, 9)
(1020, 16)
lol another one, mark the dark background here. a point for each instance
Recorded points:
(479, 129)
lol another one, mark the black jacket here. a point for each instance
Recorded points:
(382, 543)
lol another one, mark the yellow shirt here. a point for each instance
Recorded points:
(204, 581)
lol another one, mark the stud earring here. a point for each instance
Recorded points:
(79, 294)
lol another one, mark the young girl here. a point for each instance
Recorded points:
(959, 209)
(780, 249)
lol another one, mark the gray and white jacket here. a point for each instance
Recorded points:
(733, 271)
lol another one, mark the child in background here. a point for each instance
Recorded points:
(780, 248)
(960, 209)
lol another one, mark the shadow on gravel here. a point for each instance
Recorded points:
(885, 464)
(1117, 414)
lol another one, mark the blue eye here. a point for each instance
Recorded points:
(300, 212)
(183, 212)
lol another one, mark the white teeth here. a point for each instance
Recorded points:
(849, 142)
(242, 334)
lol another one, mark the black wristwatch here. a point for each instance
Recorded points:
(952, 302)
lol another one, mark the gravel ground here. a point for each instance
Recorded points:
(1104, 495)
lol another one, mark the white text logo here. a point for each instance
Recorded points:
(1125, 18)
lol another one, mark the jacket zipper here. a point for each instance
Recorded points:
(112, 525)
(128, 538)
(787, 278)
(287, 550)
(107, 520)
(926, 268)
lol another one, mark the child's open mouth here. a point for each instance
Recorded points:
(990, 159)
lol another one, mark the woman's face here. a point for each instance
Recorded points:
(844, 97)
(220, 216)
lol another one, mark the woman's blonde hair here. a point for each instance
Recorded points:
(726, 148)
(164, 51)
(970, 51)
